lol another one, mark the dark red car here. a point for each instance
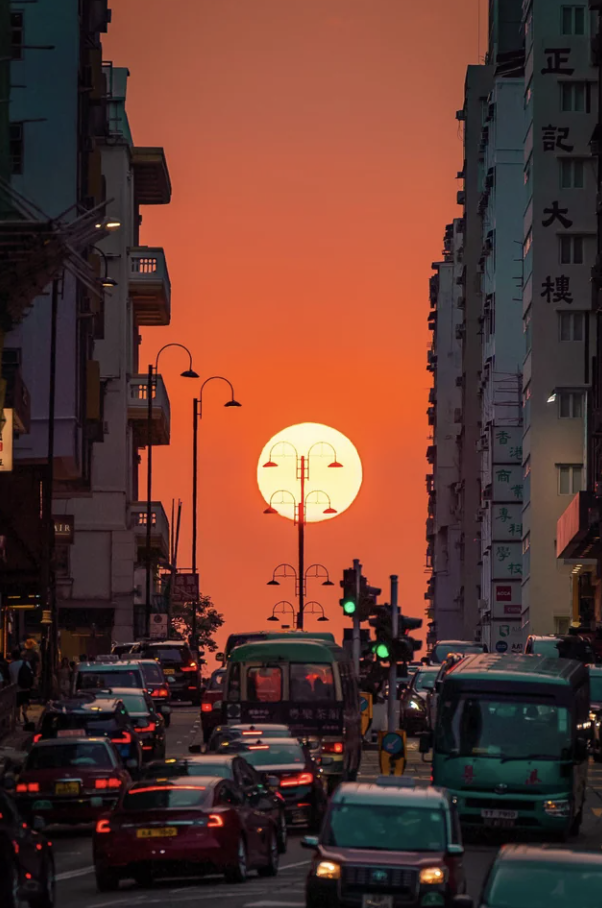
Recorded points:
(183, 826)
(387, 844)
(26, 860)
(71, 779)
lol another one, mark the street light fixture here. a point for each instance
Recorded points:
(197, 415)
(150, 388)
(284, 607)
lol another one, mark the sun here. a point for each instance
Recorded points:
(335, 471)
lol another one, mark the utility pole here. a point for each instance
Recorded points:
(149, 505)
(301, 527)
(356, 620)
(392, 724)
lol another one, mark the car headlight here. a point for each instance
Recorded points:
(432, 875)
(414, 705)
(557, 808)
(592, 715)
(328, 870)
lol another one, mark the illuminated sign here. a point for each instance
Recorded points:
(6, 443)
(64, 529)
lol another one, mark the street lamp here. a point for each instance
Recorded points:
(314, 571)
(284, 606)
(197, 415)
(151, 386)
(106, 281)
(302, 474)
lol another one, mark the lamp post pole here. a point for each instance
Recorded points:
(301, 525)
(197, 415)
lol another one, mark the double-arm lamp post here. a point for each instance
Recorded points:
(150, 393)
(284, 606)
(197, 415)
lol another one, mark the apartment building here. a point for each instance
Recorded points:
(443, 530)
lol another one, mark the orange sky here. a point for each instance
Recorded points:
(313, 150)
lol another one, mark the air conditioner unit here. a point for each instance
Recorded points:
(461, 115)
(486, 494)
(460, 331)
(458, 414)
(484, 604)
(461, 197)
(459, 381)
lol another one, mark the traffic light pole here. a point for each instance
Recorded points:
(301, 530)
(392, 724)
(356, 620)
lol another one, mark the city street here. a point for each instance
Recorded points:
(76, 886)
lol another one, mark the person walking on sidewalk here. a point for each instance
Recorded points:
(22, 675)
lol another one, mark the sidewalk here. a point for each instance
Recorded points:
(13, 746)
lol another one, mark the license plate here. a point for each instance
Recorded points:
(298, 816)
(169, 671)
(160, 832)
(42, 805)
(499, 814)
(66, 788)
(377, 901)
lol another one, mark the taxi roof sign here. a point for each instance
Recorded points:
(396, 781)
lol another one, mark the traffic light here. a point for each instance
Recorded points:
(410, 624)
(349, 600)
(387, 648)
(381, 622)
(368, 597)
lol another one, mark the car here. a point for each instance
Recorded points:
(240, 732)
(94, 716)
(211, 703)
(432, 696)
(300, 779)
(26, 859)
(423, 680)
(122, 649)
(147, 722)
(156, 684)
(71, 779)
(386, 843)
(568, 646)
(413, 710)
(178, 664)
(443, 648)
(182, 826)
(256, 787)
(542, 876)
(595, 710)
(90, 676)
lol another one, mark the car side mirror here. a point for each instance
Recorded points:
(462, 901)
(38, 823)
(309, 841)
(29, 726)
(220, 657)
(455, 850)
(194, 748)
(426, 742)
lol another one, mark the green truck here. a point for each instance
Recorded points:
(510, 742)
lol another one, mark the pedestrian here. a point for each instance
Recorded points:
(4, 672)
(64, 677)
(32, 655)
(21, 674)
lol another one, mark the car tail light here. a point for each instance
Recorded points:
(150, 727)
(107, 783)
(28, 786)
(332, 747)
(160, 692)
(103, 826)
(302, 778)
(37, 738)
(126, 738)
(189, 668)
(215, 821)
(206, 707)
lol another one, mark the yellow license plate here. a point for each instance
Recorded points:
(169, 671)
(160, 832)
(66, 788)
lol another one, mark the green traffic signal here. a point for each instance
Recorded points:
(382, 650)
(349, 607)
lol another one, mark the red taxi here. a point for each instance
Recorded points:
(71, 779)
(183, 826)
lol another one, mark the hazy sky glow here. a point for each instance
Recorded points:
(313, 151)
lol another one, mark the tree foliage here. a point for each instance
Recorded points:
(208, 621)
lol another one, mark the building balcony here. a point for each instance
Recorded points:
(159, 530)
(149, 285)
(138, 411)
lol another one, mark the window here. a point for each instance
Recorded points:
(529, 30)
(561, 625)
(572, 173)
(570, 478)
(264, 684)
(570, 404)
(16, 36)
(528, 169)
(311, 682)
(16, 148)
(572, 20)
(571, 250)
(527, 407)
(575, 97)
(528, 243)
(571, 326)
(527, 330)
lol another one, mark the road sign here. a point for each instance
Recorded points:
(392, 752)
(366, 711)
(185, 589)
(158, 626)
(501, 646)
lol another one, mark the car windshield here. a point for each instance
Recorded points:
(443, 650)
(95, 725)
(424, 681)
(121, 677)
(266, 754)
(471, 725)
(188, 768)
(62, 755)
(134, 703)
(158, 797)
(382, 827)
(169, 653)
(545, 648)
(217, 680)
(548, 885)
(595, 688)
(311, 681)
(153, 673)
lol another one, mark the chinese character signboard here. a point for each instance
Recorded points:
(507, 444)
(507, 522)
(6, 443)
(506, 561)
(185, 588)
(507, 483)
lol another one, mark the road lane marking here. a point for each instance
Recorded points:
(72, 874)
(298, 864)
(267, 904)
